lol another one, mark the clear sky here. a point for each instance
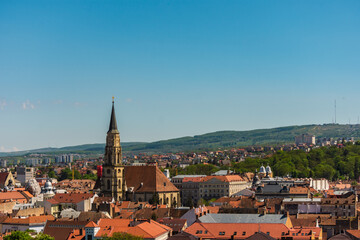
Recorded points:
(176, 68)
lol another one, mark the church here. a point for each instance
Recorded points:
(133, 183)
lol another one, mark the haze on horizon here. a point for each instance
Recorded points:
(176, 68)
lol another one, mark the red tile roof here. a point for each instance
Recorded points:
(355, 233)
(91, 225)
(70, 197)
(14, 196)
(147, 179)
(150, 229)
(29, 220)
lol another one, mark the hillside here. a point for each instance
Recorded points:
(228, 139)
(215, 140)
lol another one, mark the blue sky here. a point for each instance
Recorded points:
(176, 68)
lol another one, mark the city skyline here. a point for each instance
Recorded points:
(175, 68)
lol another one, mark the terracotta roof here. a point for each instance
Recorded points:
(213, 209)
(12, 196)
(175, 224)
(29, 220)
(192, 179)
(226, 178)
(355, 233)
(76, 234)
(339, 201)
(260, 236)
(102, 199)
(27, 194)
(150, 229)
(70, 197)
(147, 179)
(91, 224)
(61, 230)
(298, 190)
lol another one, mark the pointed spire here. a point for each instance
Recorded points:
(113, 125)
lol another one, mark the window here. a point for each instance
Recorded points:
(244, 233)
(268, 233)
(221, 233)
(198, 232)
(235, 233)
(108, 184)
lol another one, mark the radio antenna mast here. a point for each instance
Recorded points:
(335, 110)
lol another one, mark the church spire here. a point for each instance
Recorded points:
(113, 125)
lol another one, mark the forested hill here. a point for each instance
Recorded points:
(221, 139)
(229, 139)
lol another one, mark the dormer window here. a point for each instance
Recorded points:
(221, 233)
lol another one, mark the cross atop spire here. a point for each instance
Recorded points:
(113, 125)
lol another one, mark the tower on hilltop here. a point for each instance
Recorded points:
(113, 170)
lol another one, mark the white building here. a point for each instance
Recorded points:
(319, 184)
(305, 139)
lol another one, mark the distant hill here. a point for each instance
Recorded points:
(215, 140)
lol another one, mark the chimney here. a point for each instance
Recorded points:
(317, 222)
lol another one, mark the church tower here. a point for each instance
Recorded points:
(113, 170)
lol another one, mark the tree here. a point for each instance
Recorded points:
(190, 202)
(122, 236)
(19, 235)
(52, 174)
(356, 169)
(42, 236)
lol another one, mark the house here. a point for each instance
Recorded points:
(61, 230)
(36, 223)
(76, 201)
(302, 205)
(247, 230)
(107, 227)
(177, 225)
(15, 196)
(246, 218)
(341, 207)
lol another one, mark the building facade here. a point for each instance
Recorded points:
(220, 186)
(305, 139)
(24, 174)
